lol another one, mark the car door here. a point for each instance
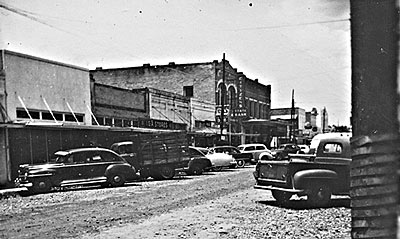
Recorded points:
(97, 164)
(71, 171)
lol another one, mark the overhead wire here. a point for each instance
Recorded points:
(35, 17)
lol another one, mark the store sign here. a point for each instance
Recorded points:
(218, 110)
(239, 113)
(155, 124)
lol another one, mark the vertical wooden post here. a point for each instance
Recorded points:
(375, 142)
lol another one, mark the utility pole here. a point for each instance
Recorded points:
(323, 119)
(223, 95)
(292, 114)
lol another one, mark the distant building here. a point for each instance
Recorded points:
(311, 118)
(324, 121)
(295, 119)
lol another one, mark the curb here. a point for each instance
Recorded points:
(11, 192)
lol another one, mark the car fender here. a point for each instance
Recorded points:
(305, 179)
(125, 169)
(265, 154)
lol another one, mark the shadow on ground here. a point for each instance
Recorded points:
(301, 204)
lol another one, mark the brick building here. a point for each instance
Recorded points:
(208, 85)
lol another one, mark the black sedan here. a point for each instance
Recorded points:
(83, 166)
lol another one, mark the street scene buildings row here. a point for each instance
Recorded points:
(46, 106)
(192, 97)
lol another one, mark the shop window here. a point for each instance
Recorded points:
(71, 118)
(118, 122)
(108, 122)
(126, 123)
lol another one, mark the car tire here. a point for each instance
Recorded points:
(217, 168)
(281, 197)
(40, 185)
(196, 169)
(117, 180)
(319, 195)
(164, 173)
(240, 163)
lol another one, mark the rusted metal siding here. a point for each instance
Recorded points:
(375, 142)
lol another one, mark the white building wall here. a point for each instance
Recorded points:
(37, 80)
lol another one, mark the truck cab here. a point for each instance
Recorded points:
(323, 172)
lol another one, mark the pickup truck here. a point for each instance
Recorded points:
(155, 155)
(318, 175)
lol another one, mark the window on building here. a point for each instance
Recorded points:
(188, 91)
(126, 123)
(21, 113)
(118, 122)
(46, 115)
(217, 98)
(232, 97)
(108, 121)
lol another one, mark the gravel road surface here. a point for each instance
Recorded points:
(214, 205)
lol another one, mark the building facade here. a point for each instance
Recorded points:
(295, 119)
(144, 108)
(215, 85)
(33, 89)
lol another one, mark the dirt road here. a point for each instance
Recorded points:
(214, 205)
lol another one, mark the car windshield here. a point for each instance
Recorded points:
(60, 159)
(240, 147)
(204, 151)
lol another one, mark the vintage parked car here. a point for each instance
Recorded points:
(259, 151)
(241, 158)
(198, 162)
(218, 160)
(80, 166)
(283, 151)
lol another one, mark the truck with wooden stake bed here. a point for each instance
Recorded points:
(155, 155)
(323, 172)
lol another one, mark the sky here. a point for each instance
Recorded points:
(289, 44)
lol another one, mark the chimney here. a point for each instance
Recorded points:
(171, 63)
(99, 68)
(146, 65)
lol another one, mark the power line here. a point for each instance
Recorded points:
(30, 16)
(291, 25)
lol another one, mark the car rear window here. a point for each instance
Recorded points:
(260, 147)
(333, 148)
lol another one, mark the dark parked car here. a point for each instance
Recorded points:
(241, 158)
(81, 166)
(283, 151)
(198, 162)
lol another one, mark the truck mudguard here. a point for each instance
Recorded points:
(306, 178)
